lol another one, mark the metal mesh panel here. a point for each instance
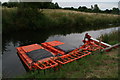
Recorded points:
(65, 47)
(39, 54)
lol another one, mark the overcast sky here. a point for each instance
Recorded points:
(103, 4)
(70, 0)
(86, 0)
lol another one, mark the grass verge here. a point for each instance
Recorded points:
(111, 38)
(99, 65)
(14, 19)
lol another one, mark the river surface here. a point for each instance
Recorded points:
(12, 65)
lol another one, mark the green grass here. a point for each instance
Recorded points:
(55, 19)
(111, 38)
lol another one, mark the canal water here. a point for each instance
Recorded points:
(12, 65)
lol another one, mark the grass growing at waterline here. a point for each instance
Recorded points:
(99, 65)
(96, 65)
(55, 19)
(111, 38)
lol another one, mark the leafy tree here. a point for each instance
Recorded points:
(28, 14)
(52, 6)
(41, 5)
(115, 11)
(10, 4)
(107, 11)
(96, 8)
(56, 5)
(84, 8)
(5, 4)
(92, 7)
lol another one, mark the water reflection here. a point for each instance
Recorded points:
(75, 39)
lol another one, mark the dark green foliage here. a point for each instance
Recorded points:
(30, 18)
(115, 11)
(8, 21)
(108, 11)
(41, 5)
(96, 8)
(70, 8)
(10, 4)
(84, 8)
(5, 4)
(50, 5)
(56, 6)
(112, 11)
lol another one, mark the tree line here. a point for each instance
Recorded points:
(50, 5)
(41, 5)
(95, 9)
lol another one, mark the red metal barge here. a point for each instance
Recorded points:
(49, 54)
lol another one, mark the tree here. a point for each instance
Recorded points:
(92, 7)
(115, 11)
(84, 8)
(5, 4)
(56, 5)
(96, 8)
(107, 11)
(10, 4)
(79, 7)
(28, 14)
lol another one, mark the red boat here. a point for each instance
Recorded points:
(51, 54)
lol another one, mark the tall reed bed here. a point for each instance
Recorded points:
(54, 19)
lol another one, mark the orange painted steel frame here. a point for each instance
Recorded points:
(30, 63)
(49, 46)
(78, 53)
(89, 45)
(74, 55)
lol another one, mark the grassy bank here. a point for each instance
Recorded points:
(111, 38)
(103, 65)
(55, 19)
(97, 65)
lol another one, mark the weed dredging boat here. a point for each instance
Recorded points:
(51, 54)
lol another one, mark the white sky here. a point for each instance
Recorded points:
(3, 0)
(103, 4)
(73, 0)
(86, 0)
